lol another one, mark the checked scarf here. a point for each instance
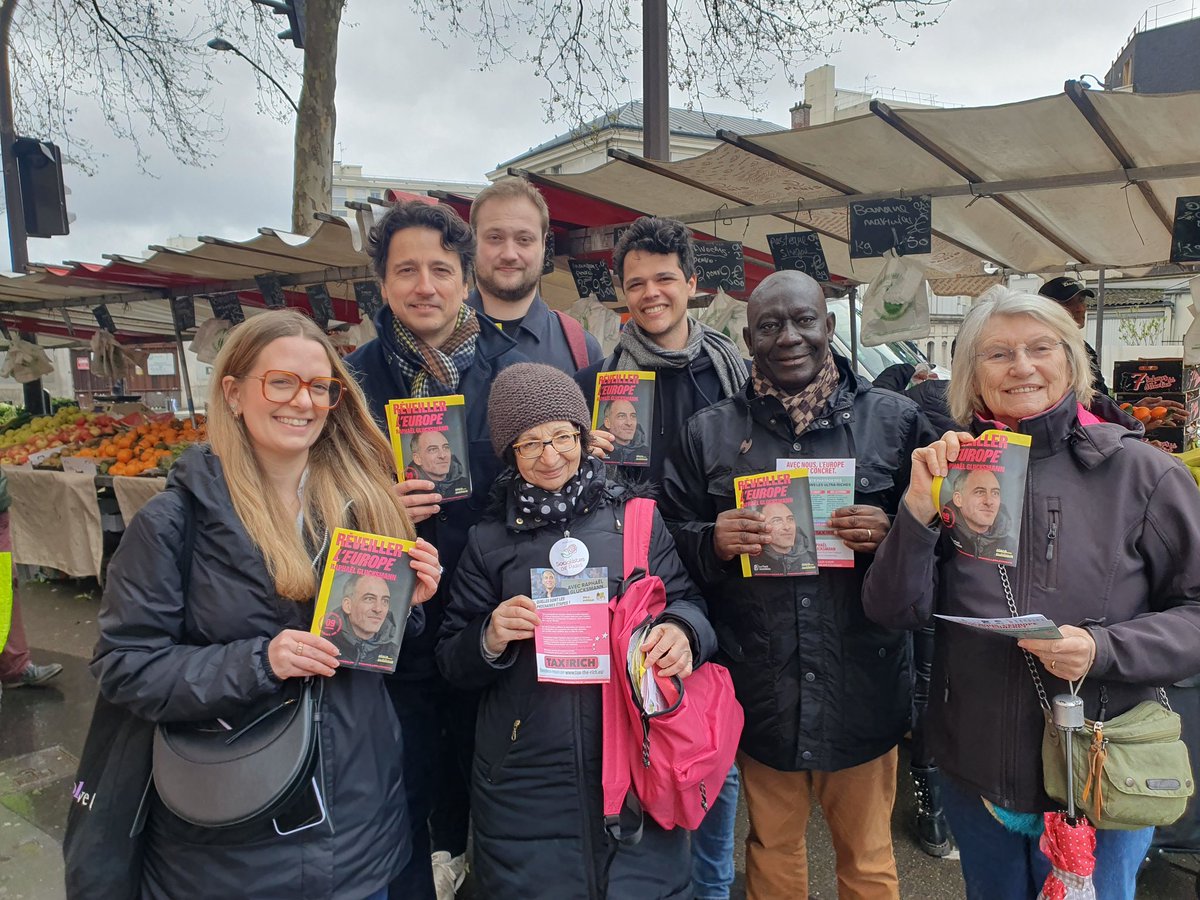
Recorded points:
(812, 399)
(435, 371)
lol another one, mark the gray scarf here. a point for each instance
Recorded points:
(636, 346)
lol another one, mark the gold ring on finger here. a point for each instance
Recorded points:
(299, 648)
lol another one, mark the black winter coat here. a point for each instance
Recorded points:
(374, 367)
(536, 790)
(174, 653)
(678, 394)
(823, 688)
(1110, 541)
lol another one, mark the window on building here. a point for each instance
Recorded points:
(1127, 72)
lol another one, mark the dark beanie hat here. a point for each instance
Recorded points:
(530, 394)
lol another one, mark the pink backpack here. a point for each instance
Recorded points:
(674, 761)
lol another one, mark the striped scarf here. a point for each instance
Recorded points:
(435, 371)
(810, 402)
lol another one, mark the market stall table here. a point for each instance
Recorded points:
(57, 520)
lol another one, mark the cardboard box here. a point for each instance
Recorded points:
(1148, 376)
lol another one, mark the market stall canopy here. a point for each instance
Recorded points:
(1084, 180)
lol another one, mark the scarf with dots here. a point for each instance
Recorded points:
(531, 507)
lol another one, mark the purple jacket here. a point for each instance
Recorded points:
(1110, 541)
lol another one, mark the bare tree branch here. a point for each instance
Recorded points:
(584, 49)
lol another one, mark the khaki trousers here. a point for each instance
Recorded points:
(857, 803)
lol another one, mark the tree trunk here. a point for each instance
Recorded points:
(312, 188)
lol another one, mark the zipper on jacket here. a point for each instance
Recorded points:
(516, 727)
(589, 858)
(1054, 512)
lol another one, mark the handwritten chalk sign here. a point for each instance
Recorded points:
(227, 307)
(104, 318)
(799, 251)
(720, 266)
(271, 290)
(902, 224)
(369, 299)
(1185, 234)
(592, 277)
(322, 306)
(548, 258)
(183, 310)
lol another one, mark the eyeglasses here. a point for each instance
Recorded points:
(564, 442)
(279, 386)
(1005, 356)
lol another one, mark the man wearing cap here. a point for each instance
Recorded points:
(1072, 296)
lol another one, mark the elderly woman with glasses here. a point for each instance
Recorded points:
(294, 454)
(1109, 550)
(537, 799)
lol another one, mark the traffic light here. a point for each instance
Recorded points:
(43, 197)
(294, 10)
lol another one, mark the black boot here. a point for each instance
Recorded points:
(932, 831)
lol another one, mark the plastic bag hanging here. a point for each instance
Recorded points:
(896, 305)
(25, 362)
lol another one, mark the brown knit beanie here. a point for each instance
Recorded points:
(529, 394)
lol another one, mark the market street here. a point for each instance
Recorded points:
(42, 731)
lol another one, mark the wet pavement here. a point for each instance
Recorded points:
(42, 732)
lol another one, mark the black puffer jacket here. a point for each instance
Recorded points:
(171, 659)
(537, 798)
(1110, 540)
(823, 688)
(378, 374)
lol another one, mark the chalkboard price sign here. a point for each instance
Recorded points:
(183, 310)
(799, 251)
(1185, 235)
(592, 277)
(903, 224)
(104, 319)
(368, 298)
(548, 259)
(322, 306)
(720, 266)
(227, 307)
(271, 290)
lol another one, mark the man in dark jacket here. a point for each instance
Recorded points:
(433, 460)
(826, 692)
(694, 366)
(364, 629)
(511, 222)
(432, 344)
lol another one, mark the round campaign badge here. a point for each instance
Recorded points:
(569, 556)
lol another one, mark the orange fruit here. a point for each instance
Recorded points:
(1159, 412)
(1141, 413)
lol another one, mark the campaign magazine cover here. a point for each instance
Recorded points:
(784, 500)
(429, 440)
(981, 499)
(624, 407)
(363, 602)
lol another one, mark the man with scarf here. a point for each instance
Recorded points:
(694, 366)
(430, 344)
(826, 692)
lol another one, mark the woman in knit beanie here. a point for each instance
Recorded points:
(555, 535)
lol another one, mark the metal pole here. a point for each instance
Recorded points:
(851, 297)
(656, 128)
(1099, 348)
(183, 370)
(14, 210)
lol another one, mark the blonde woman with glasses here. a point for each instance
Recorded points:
(293, 455)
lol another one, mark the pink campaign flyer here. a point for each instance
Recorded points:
(571, 644)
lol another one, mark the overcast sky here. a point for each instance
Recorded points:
(409, 108)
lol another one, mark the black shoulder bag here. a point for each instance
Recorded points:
(258, 767)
